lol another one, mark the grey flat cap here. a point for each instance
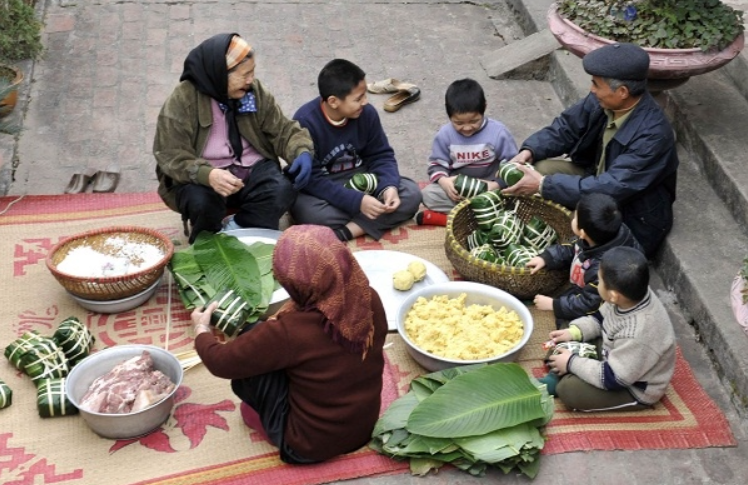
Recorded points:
(627, 62)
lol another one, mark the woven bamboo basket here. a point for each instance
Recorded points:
(110, 287)
(515, 280)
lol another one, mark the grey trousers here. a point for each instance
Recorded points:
(312, 210)
(578, 395)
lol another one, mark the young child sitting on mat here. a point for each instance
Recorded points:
(349, 141)
(638, 343)
(310, 378)
(470, 144)
(599, 226)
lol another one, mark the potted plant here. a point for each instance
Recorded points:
(683, 37)
(739, 296)
(20, 30)
(6, 126)
(20, 38)
(10, 78)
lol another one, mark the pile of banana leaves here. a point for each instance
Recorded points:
(219, 267)
(471, 417)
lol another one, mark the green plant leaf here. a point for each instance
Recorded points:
(421, 466)
(20, 31)
(501, 444)
(229, 266)
(468, 406)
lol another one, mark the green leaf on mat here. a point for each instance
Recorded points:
(478, 402)
(397, 414)
(228, 265)
(421, 466)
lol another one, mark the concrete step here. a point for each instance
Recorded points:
(698, 262)
(737, 71)
(523, 59)
(709, 115)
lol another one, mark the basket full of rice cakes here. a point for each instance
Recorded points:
(460, 323)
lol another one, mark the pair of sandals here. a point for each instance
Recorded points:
(404, 93)
(101, 181)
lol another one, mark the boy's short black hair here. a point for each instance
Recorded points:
(625, 270)
(599, 216)
(465, 96)
(338, 78)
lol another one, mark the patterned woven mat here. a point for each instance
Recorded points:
(205, 439)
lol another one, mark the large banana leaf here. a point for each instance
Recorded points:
(478, 402)
(193, 286)
(229, 266)
(501, 444)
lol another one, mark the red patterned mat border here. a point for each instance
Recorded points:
(77, 207)
(685, 418)
(269, 469)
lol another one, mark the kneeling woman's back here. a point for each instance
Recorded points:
(314, 372)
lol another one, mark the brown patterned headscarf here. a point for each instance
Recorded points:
(319, 272)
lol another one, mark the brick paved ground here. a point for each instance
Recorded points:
(109, 67)
(110, 64)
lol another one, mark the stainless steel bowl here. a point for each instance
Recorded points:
(118, 306)
(121, 426)
(477, 293)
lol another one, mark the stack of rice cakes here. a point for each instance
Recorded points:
(501, 237)
(47, 361)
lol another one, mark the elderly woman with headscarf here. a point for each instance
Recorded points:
(309, 378)
(218, 139)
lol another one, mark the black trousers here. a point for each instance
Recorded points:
(268, 395)
(267, 194)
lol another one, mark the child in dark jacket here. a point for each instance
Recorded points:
(598, 225)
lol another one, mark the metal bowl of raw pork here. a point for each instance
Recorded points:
(125, 391)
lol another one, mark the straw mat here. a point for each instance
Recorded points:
(205, 440)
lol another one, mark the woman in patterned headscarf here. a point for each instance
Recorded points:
(311, 377)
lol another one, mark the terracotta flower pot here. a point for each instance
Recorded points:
(667, 67)
(15, 77)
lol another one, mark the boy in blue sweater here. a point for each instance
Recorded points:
(470, 144)
(349, 139)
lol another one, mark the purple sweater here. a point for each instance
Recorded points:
(359, 145)
(452, 151)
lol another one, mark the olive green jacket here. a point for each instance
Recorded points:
(184, 125)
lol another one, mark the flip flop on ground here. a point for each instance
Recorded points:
(401, 98)
(78, 183)
(104, 181)
(389, 85)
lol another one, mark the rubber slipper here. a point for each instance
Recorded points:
(78, 183)
(401, 98)
(389, 85)
(105, 181)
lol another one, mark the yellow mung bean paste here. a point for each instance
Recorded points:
(448, 328)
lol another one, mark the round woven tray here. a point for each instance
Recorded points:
(515, 280)
(110, 287)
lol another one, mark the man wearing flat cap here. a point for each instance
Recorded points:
(618, 142)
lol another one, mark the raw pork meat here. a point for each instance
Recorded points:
(129, 387)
